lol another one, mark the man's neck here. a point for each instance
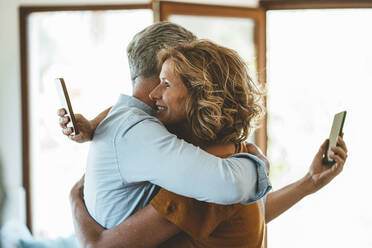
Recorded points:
(142, 87)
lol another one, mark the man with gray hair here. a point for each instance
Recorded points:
(132, 152)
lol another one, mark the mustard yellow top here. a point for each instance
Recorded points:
(212, 225)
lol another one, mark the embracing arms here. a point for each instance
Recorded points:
(145, 228)
(181, 167)
(149, 223)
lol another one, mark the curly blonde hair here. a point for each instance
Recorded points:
(223, 104)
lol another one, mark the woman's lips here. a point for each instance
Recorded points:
(160, 108)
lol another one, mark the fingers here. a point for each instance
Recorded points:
(338, 159)
(252, 149)
(80, 138)
(338, 167)
(341, 149)
(341, 143)
(61, 112)
(63, 121)
(75, 137)
(322, 148)
(67, 130)
(341, 152)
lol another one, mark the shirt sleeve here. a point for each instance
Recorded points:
(146, 151)
(263, 183)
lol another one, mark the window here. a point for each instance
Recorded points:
(318, 64)
(88, 49)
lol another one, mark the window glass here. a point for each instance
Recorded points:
(88, 49)
(235, 33)
(319, 63)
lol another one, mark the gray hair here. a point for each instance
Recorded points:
(145, 45)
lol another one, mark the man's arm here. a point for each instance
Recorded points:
(318, 176)
(163, 159)
(237, 176)
(146, 228)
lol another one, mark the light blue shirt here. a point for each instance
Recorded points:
(132, 152)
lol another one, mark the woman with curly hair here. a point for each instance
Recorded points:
(207, 96)
(218, 99)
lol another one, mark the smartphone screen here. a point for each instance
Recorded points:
(66, 104)
(336, 130)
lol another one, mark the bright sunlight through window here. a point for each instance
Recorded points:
(88, 49)
(319, 63)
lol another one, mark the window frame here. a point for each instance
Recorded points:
(314, 4)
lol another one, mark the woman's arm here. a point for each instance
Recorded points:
(146, 228)
(318, 176)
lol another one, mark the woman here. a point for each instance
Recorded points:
(207, 98)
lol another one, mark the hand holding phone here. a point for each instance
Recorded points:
(336, 130)
(66, 104)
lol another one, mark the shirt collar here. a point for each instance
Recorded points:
(131, 101)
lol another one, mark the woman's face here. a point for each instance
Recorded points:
(170, 95)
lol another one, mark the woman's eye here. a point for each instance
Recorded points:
(166, 84)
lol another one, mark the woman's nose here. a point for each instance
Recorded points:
(155, 93)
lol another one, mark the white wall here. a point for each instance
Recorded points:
(10, 93)
(10, 104)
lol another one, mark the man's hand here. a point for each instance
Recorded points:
(254, 150)
(86, 128)
(319, 174)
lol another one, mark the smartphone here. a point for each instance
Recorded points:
(66, 104)
(336, 130)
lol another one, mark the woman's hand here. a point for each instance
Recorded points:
(320, 174)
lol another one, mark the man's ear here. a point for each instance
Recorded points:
(142, 88)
